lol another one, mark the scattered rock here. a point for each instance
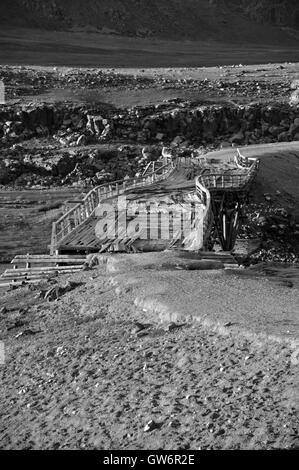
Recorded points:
(228, 324)
(92, 260)
(28, 332)
(174, 326)
(140, 329)
(150, 426)
(56, 292)
(3, 310)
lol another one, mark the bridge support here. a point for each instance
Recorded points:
(227, 210)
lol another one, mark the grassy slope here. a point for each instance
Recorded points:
(36, 47)
(26, 223)
(191, 32)
(224, 20)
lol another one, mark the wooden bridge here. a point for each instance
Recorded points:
(209, 193)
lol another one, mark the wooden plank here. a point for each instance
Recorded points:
(33, 276)
(225, 257)
(20, 277)
(85, 249)
(52, 268)
(81, 239)
(24, 257)
(38, 273)
(80, 231)
(44, 269)
(88, 236)
(20, 283)
(49, 260)
(44, 272)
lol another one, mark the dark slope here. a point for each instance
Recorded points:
(267, 21)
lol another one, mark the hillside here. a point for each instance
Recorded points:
(277, 12)
(229, 20)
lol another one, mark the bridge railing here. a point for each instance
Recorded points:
(205, 182)
(78, 214)
(231, 181)
(245, 162)
(190, 162)
(154, 167)
(216, 181)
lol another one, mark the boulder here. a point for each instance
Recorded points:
(237, 138)
(294, 100)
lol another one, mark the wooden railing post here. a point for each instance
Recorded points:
(53, 238)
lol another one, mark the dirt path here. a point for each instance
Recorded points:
(86, 375)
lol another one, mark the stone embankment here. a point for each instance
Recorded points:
(51, 141)
(178, 123)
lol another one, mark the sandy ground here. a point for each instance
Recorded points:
(210, 297)
(93, 368)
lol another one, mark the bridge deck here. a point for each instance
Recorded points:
(222, 175)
